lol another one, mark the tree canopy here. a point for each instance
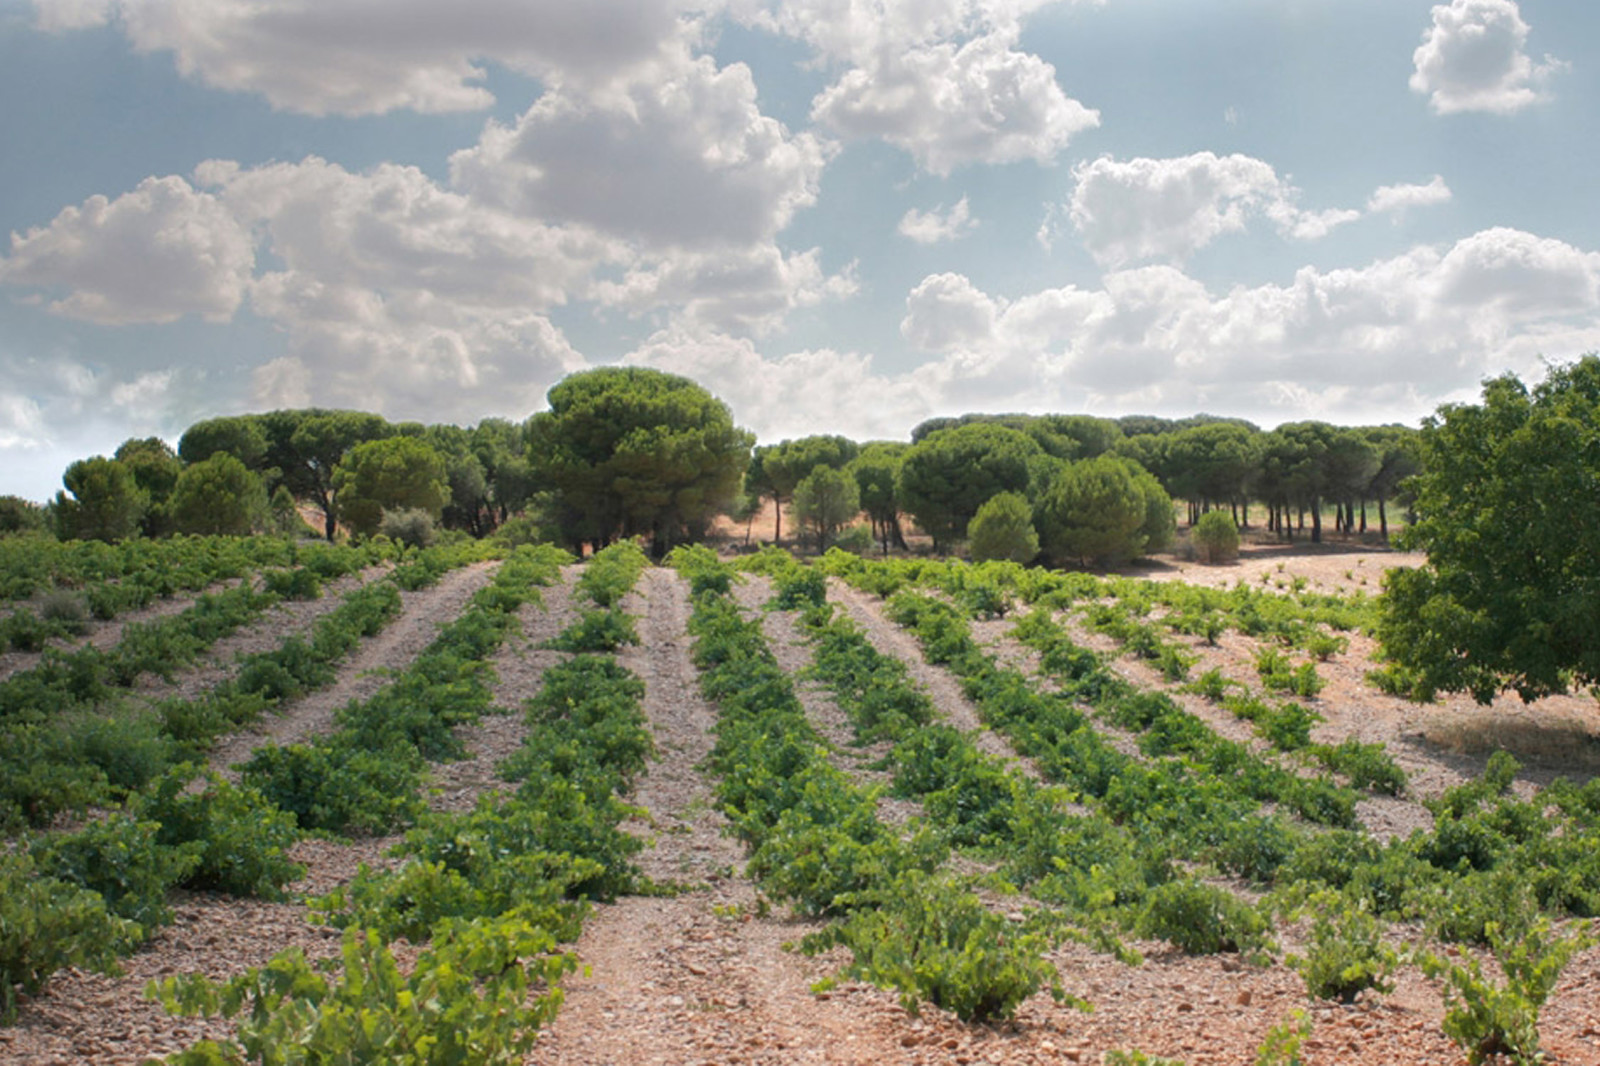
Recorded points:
(389, 475)
(950, 473)
(1508, 510)
(219, 494)
(825, 501)
(106, 502)
(630, 450)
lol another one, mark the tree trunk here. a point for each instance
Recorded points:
(1383, 521)
(777, 520)
(1316, 520)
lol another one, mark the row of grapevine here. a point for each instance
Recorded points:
(1494, 870)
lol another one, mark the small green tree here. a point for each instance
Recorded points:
(1215, 537)
(825, 501)
(1003, 529)
(1097, 510)
(947, 475)
(218, 495)
(1508, 512)
(382, 475)
(106, 502)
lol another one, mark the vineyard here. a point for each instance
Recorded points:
(270, 802)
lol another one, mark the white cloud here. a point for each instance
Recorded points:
(794, 394)
(22, 425)
(1168, 209)
(56, 16)
(154, 254)
(393, 230)
(946, 312)
(950, 106)
(1391, 339)
(360, 57)
(738, 291)
(1474, 58)
(937, 225)
(684, 160)
(1400, 198)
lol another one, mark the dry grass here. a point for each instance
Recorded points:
(1549, 740)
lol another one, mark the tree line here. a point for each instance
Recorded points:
(627, 451)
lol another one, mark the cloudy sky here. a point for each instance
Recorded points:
(838, 215)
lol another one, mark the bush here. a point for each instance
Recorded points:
(1215, 537)
(477, 995)
(1346, 954)
(1489, 1020)
(299, 583)
(409, 526)
(46, 925)
(338, 787)
(122, 859)
(242, 837)
(1003, 529)
(597, 631)
(933, 939)
(68, 611)
(1202, 919)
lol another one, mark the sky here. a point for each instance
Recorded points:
(840, 216)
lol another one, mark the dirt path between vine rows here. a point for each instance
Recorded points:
(700, 976)
(423, 614)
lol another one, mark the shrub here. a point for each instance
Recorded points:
(933, 939)
(338, 787)
(800, 588)
(1202, 919)
(477, 995)
(410, 526)
(46, 925)
(242, 837)
(1489, 1020)
(597, 631)
(299, 583)
(1346, 953)
(122, 859)
(1003, 529)
(1215, 537)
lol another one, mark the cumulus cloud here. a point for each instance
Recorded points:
(744, 292)
(946, 312)
(394, 230)
(1400, 334)
(1400, 198)
(949, 105)
(155, 254)
(683, 160)
(1474, 58)
(361, 57)
(793, 394)
(937, 225)
(1167, 209)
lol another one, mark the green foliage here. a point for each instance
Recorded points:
(1366, 766)
(338, 786)
(800, 588)
(1215, 537)
(825, 501)
(475, 997)
(1507, 512)
(240, 837)
(46, 925)
(299, 583)
(395, 473)
(218, 495)
(1003, 529)
(634, 451)
(106, 502)
(605, 630)
(1119, 1057)
(411, 526)
(1202, 919)
(1489, 1020)
(1282, 1044)
(948, 475)
(612, 573)
(1346, 953)
(123, 860)
(1102, 510)
(933, 939)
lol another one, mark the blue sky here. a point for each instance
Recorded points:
(838, 215)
